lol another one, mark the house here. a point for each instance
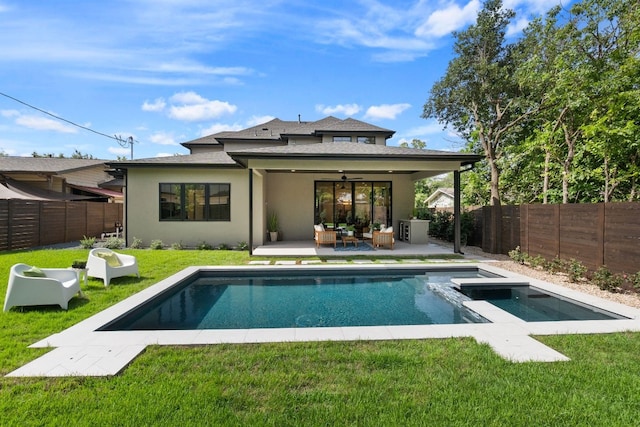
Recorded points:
(441, 198)
(54, 178)
(332, 171)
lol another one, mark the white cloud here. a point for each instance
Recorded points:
(221, 127)
(187, 98)
(120, 151)
(194, 108)
(9, 113)
(165, 154)
(342, 109)
(157, 105)
(43, 123)
(442, 22)
(385, 111)
(256, 120)
(432, 128)
(534, 6)
(515, 28)
(163, 138)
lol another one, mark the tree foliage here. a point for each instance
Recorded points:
(556, 113)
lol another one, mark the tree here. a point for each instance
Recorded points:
(76, 155)
(415, 143)
(480, 98)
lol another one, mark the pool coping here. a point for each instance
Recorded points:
(81, 350)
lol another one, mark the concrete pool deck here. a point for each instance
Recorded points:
(81, 350)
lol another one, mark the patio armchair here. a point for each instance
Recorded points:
(106, 264)
(47, 286)
(383, 238)
(367, 233)
(324, 237)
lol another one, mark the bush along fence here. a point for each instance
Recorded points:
(30, 223)
(577, 272)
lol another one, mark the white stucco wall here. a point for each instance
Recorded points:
(142, 207)
(291, 196)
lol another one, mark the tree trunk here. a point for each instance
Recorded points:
(496, 207)
(545, 183)
(567, 163)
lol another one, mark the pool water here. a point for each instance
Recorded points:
(532, 305)
(342, 299)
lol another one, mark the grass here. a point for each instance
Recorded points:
(430, 382)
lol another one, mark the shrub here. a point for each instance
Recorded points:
(114, 243)
(635, 281)
(136, 244)
(576, 270)
(156, 244)
(204, 246)
(87, 242)
(517, 255)
(177, 246)
(536, 261)
(242, 246)
(555, 265)
(223, 247)
(606, 280)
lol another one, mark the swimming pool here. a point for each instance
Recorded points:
(335, 298)
(305, 299)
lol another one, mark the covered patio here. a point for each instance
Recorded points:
(339, 182)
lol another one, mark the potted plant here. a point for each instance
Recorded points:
(272, 226)
(350, 230)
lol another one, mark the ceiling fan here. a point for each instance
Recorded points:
(345, 179)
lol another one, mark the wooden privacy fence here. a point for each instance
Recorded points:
(595, 234)
(30, 223)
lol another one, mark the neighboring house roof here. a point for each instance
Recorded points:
(52, 165)
(103, 192)
(7, 193)
(31, 192)
(280, 130)
(438, 195)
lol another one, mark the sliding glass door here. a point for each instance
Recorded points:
(339, 203)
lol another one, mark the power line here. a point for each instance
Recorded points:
(121, 141)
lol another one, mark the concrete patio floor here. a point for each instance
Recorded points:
(304, 248)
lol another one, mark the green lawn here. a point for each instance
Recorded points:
(430, 382)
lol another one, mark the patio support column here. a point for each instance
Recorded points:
(456, 212)
(250, 211)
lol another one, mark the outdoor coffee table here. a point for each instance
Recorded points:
(347, 239)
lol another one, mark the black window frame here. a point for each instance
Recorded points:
(180, 208)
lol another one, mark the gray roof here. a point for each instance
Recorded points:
(350, 149)
(45, 164)
(276, 129)
(319, 151)
(218, 158)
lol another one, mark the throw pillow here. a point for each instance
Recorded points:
(33, 272)
(111, 258)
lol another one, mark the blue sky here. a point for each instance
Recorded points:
(169, 71)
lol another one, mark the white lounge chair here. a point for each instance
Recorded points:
(106, 264)
(46, 286)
